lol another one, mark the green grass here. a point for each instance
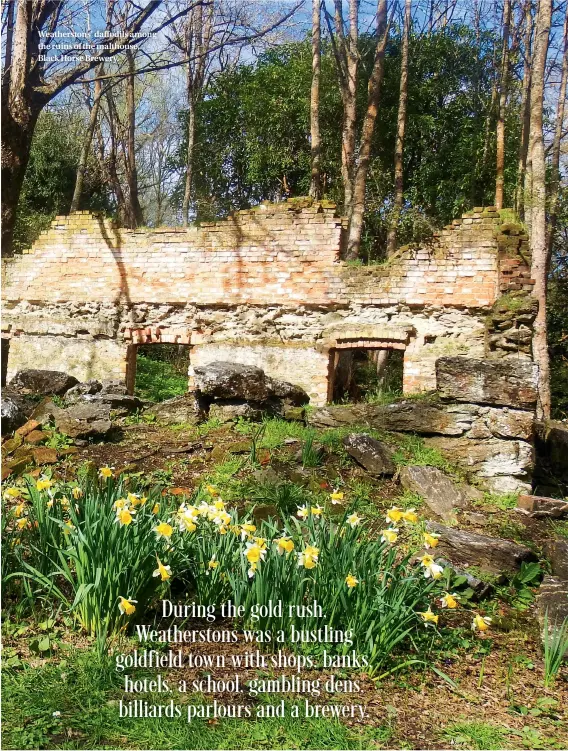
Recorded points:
(86, 692)
(476, 735)
(157, 381)
(560, 528)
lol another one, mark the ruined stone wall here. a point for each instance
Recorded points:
(265, 287)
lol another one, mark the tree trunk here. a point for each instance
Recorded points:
(348, 93)
(9, 43)
(315, 145)
(500, 150)
(189, 155)
(400, 128)
(134, 214)
(525, 115)
(539, 245)
(87, 141)
(556, 143)
(374, 90)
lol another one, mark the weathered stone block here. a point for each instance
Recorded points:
(441, 495)
(374, 456)
(42, 382)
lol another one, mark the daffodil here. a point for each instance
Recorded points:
(186, 521)
(19, 509)
(49, 504)
(156, 509)
(65, 503)
(431, 540)
(219, 505)
(336, 497)
(247, 530)
(351, 581)
(252, 570)
(317, 511)
(431, 568)
(213, 564)
(389, 535)
(119, 504)
(133, 499)
(480, 623)
(284, 545)
(12, 493)
(126, 605)
(220, 518)
(125, 517)
(163, 530)
(394, 514)
(254, 552)
(77, 493)
(429, 617)
(105, 472)
(68, 527)
(22, 523)
(449, 600)
(354, 520)
(309, 557)
(410, 516)
(43, 484)
(164, 572)
(302, 512)
(212, 490)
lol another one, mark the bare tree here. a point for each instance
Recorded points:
(315, 137)
(87, 142)
(133, 216)
(557, 140)
(525, 110)
(503, 83)
(400, 129)
(538, 239)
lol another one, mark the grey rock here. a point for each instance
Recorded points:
(552, 601)
(120, 404)
(288, 393)
(82, 420)
(12, 415)
(113, 387)
(541, 507)
(441, 495)
(231, 409)
(491, 554)
(42, 382)
(82, 389)
(181, 409)
(509, 383)
(480, 588)
(226, 380)
(557, 552)
(374, 456)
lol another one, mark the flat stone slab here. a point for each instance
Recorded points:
(441, 495)
(228, 380)
(491, 554)
(507, 383)
(539, 506)
(180, 409)
(374, 456)
(557, 552)
(42, 382)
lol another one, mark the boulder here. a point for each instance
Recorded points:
(82, 389)
(288, 393)
(231, 409)
(541, 507)
(227, 380)
(181, 409)
(120, 404)
(552, 599)
(80, 421)
(508, 383)
(27, 428)
(42, 382)
(556, 551)
(113, 387)
(374, 456)
(441, 495)
(12, 415)
(491, 554)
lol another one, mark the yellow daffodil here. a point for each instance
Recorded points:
(260, 541)
(68, 527)
(125, 517)
(186, 523)
(247, 530)
(43, 484)
(19, 509)
(394, 514)
(431, 568)
(336, 497)
(65, 503)
(302, 512)
(49, 504)
(351, 581)
(163, 530)
(105, 472)
(309, 557)
(410, 516)
(221, 518)
(449, 600)
(133, 499)
(219, 505)
(429, 617)
(12, 493)
(164, 572)
(389, 535)
(156, 509)
(480, 623)
(254, 552)
(317, 511)
(22, 523)
(431, 540)
(284, 545)
(252, 570)
(126, 606)
(213, 563)
(354, 520)
(77, 493)
(212, 490)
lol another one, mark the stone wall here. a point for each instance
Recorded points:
(265, 287)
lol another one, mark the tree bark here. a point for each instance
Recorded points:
(87, 141)
(556, 143)
(315, 137)
(348, 95)
(189, 161)
(525, 114)
(539, 245)
(500, 150)
(400, 129)
(134, 211)
(373, 96)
